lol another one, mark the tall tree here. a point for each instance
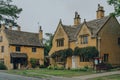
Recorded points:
(48, 43)
(9, 12)
(116, 4)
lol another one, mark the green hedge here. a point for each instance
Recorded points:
(2, 67)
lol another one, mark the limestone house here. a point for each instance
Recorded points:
(102, 33)
(17, 47)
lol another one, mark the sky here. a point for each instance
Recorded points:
(47, 13)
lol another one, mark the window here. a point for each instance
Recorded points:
(60, 42)
(84, 39)
(33, 49)
(1, 38)
(106, 57)
(18, 48)
(58, 59)
(118, 41)
(2, 48)
(2, 61)
(83, 59)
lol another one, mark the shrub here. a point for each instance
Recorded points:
(34, 62)
(56, 67)
(2, 66)
(42, 66)
(86, 67)
(80, 69)
(50, 67)
(109, 66)
(61, 68)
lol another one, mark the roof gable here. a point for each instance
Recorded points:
(96, 24)
(84, 30)
(111, 17)
(60, 28)
(93, 26)
(71, 31)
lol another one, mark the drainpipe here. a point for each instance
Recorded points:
(99, 45)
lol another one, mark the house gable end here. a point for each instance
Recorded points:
(111, 27)
(84, 30)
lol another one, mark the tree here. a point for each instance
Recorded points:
(116, 4)
(9, 12)
(48, 43)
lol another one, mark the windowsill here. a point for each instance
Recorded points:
(84, 43)
(18, 51)
(34, 52)
(60, 62)
(60, 46)
(85, 62)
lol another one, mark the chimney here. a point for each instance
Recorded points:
(100, 12)
(18, 28)
(10, 26)
(2, 26)
(77, 19)
(41, 34)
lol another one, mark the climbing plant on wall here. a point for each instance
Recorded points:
(88, 52)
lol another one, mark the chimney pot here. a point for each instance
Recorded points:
(77, 19)
(100, 12)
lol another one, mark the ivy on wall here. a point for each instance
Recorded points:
(63, 53)
(88, 52)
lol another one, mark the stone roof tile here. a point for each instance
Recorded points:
(23, 38)
(93, 25)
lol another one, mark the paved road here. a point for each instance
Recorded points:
(5, 76)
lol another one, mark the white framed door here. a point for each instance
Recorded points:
(73, 61)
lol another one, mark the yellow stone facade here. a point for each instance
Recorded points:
(8, 48)
(105, 40)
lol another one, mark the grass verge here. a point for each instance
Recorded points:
(43, 73)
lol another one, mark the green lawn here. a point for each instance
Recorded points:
(111, 77)
(41, 73)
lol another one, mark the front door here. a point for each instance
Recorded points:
(15, 65)
(73, 61)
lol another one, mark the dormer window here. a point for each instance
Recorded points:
(60, 42)
(84, 39)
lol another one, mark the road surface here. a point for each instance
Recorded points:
(5, 76)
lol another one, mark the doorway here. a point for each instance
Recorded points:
(74, 62)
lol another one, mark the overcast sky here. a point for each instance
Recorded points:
(49, 12)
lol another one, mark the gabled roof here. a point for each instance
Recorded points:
(23, 38)
(71, 30)
(93, 25)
